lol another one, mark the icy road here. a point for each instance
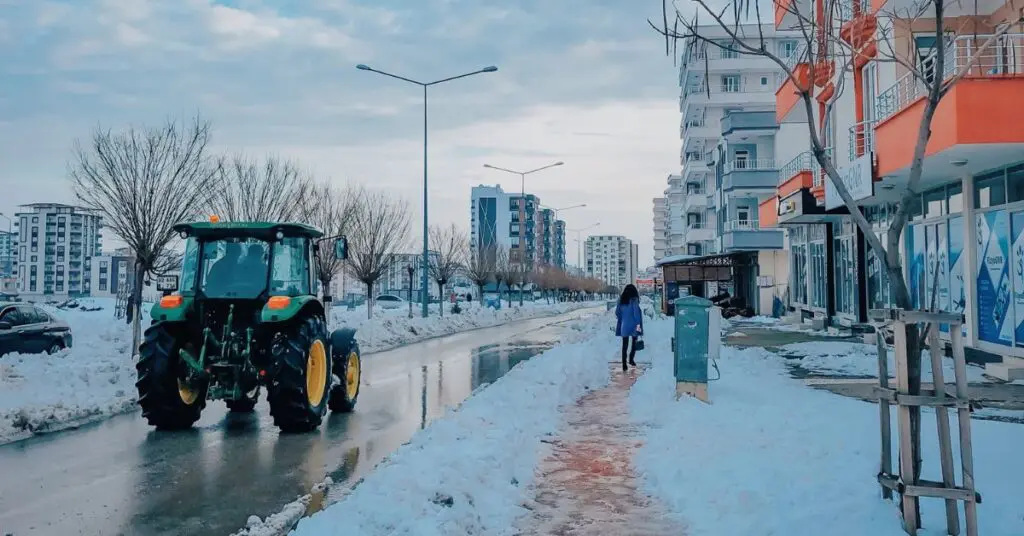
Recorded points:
(121, 477)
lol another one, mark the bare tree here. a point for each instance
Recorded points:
(480, 268)
(251, 190)
(504, 268)
(447, 257)
(818, 74)
(143, 181)
(380, 227)
(333, 210)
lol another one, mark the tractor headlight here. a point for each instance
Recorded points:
(279, 235)
(183, 235)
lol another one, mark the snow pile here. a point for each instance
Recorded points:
(468, 472)
(765, 320)
(95, 379)
(861, 360)
(392, 327)
(771, 456)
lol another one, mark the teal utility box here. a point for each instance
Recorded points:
(698, 338)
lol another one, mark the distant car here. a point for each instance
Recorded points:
(27, 329)
(389, 301)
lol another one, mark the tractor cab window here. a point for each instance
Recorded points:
(290, 274)
(234, 268)
(189, 267)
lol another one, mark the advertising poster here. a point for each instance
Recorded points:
(1017, 274)
(917, 263)
(957, 295)
(992, 232)
(931, 263)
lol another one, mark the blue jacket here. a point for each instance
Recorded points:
(628, 318)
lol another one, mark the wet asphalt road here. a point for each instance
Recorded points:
(121, 477)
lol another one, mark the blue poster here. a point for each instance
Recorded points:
(993, 233)
(1017, 266)
(957, 298)
(916, 247)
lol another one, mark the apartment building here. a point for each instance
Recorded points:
(500, 219)
(728, 132)
(55, 248)
(612, 259)
(7, 254)
(661, 234)
(965, 237)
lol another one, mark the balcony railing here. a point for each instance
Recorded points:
(845, 8)
(804, 161)
(756, 164)
(791, 62)
(741, 225)
(862, 138)
(1003, 57)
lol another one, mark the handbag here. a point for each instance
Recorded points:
(639, 344)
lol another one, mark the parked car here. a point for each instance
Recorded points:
(389, 301)
(28, 329)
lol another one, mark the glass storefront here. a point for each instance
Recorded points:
(844, 244)
(877, 279)
(816, 245)
(798, 262)
(935, 248)
(999, 232)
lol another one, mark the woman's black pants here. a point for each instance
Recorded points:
(632, 349)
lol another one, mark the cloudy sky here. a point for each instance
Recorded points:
(583, 81)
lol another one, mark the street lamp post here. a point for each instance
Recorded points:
(579, 255)
(556, 211)
(522, 201)
(425, 85)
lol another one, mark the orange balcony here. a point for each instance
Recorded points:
(797, 174)
(786, 13)
(768, 212)
(977, 125)
(787, 97)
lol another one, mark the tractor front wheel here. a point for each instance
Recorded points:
(298, 392)
(344, 395)
(168, 403)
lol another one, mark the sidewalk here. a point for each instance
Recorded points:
(588, 484)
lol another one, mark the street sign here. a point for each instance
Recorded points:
(167, 283)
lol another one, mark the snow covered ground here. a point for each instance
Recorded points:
(96, 378)
(772, 456)
(468, 472)
(855, 359)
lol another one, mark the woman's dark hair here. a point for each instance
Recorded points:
(628, 294)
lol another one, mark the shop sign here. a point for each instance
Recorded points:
(857, 177)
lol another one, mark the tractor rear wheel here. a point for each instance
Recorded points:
(302, 376)
(167, 402)
(344, 395)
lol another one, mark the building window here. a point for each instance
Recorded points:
(35, 219)
(787, 48)
(990, 190)
(730, 83)
(1015, 183)
(764, 80)
(727, 53)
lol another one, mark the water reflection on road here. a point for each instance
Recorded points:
(121, 477)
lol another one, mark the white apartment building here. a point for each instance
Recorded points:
(612, 259)
(7, 240)
(498, 220)
(661, 234)
(55, 249)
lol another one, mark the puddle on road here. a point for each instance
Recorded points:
(436, 396)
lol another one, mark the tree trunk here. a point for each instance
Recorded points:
(480, 296)
(440, 301)
(136, 308)
(508, 290)
(369, 300)
(521, 287)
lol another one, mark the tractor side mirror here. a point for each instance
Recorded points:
(5, 326)
(341, 248)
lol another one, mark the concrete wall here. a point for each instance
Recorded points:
(773, 264)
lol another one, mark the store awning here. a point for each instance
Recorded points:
(800, 207)
(693, 268)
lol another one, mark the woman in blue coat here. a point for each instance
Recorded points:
(629, 322)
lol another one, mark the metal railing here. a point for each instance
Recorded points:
(755, 164)
(862, 138)
(804, 161)
(791, 62)
(845, 8)
(691, 226)
(1003, 57)
(741, 225)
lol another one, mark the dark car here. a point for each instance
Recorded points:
(27, 329)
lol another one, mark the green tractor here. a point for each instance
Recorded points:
(246, 317)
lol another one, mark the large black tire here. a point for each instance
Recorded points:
(164, 405)
(291, 403)
(345, 353)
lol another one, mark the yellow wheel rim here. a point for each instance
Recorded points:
(187, 394)
(352, 376)
(316, 373)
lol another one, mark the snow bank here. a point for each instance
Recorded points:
(95, 379)
(771, 456)
(468, 472)
(856, 359)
